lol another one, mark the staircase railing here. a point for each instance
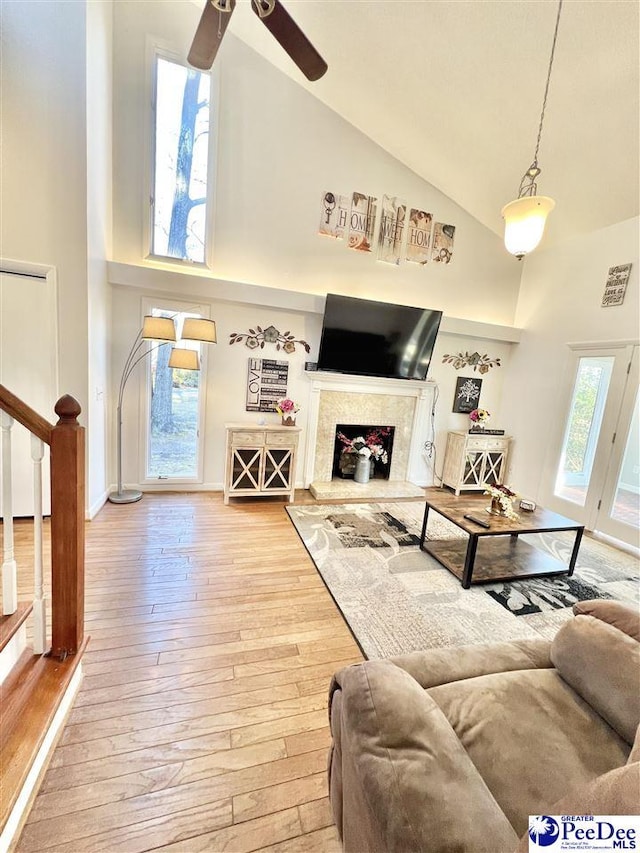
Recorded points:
(66, 440)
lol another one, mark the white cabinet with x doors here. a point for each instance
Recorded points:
(473, 460)
(260, 460)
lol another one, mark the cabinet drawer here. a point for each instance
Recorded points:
(281, 439)
(486, 444)
(240, 438)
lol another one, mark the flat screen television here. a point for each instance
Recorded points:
(370, 338)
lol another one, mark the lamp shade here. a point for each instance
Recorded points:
(184, 359)
(524, 221)
(158, 329)
(199, 329)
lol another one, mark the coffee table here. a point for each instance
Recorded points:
(495, 553)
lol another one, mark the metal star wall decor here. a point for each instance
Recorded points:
(258, 337)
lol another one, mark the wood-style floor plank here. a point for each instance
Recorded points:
(201, 723)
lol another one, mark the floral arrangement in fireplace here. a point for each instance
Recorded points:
(371, 445)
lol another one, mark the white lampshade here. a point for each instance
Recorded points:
(158, 329)
(199, 329)
(524, 221)
(184, 359)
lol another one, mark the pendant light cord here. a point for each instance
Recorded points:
(546, 90)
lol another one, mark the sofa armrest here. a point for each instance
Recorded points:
(601, 662)
(622, 617)
(406, 783)
(443, 666)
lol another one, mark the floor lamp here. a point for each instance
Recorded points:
(163, 330)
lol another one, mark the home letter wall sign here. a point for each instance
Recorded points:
(418, 240)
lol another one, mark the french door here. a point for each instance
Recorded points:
(173, 421)
(596, 475)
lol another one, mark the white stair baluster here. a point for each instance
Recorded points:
(9, 569)
(39, 602)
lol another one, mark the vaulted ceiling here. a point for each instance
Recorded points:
(453, 89)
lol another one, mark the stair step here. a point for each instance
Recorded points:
(31, 696)
(10, 624)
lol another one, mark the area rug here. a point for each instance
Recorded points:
(396, 598)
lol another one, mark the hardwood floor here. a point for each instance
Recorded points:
(201, 724)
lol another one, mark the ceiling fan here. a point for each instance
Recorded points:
(215, 19)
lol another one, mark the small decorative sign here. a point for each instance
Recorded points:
(266, 384)
(334, 215)
(442, 243)
(467, 394)
(616, 285)
(362, 222)
(419, 236)
(391, 233)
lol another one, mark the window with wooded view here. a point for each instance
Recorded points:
(181, 160)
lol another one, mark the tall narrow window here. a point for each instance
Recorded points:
(181, 160)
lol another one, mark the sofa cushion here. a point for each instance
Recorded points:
(602, 664)
(616, 792)
(411, 784)
(530, 736)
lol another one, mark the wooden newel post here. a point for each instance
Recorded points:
(67, 529)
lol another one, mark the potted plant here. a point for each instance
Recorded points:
(287, 409)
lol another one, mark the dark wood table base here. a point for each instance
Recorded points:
(497, 553)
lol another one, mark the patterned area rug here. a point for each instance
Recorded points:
(397, 599)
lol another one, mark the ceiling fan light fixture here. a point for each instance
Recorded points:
(526, 216)
(264, 7)
(524, 221)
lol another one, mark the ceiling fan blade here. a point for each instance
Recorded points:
(285, 30)
(213, 23)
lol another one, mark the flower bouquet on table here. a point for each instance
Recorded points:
(501, 501)
(479, 419)
(287, 409)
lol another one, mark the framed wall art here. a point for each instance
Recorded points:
(467, 394)
(266, 383)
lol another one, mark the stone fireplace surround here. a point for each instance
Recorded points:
(338, 398)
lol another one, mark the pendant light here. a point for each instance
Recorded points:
(525, 217)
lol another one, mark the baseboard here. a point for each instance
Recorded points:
(20, 811)
(616, 543)
(178, 487)
(96, 506)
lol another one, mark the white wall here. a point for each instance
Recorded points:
(560, 302)
(43, 177)
(99, 239)
(279, 150)
(227, 373)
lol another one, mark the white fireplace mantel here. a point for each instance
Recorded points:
(341, 398)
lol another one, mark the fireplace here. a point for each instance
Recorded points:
(350, 437)
(353, 402)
